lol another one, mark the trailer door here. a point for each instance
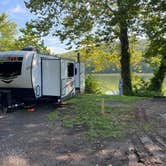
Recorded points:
(50, 77)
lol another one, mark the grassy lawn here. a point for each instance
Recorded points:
(85, 111)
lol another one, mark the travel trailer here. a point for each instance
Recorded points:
(27, 76)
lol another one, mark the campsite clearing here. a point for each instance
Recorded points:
(48, 137)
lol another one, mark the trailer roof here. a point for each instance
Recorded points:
(23, 52)
(14, 53)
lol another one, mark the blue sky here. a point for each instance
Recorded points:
(18, 13)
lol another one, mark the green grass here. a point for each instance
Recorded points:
(148, 126)
(53, 115)
(85, 110)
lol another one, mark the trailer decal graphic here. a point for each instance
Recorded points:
(7, 81)
(70, 84)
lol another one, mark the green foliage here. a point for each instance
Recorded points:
(105, 56)
(7, 33)
(139, 84)
(8, 39)
(101, 57)
(83, 18)
(84, 23)
(91, 85)
(91, 23)
(164, 90)
(30, 39)
(147, 93)
(154, 26)
(85, 111)
(141, 88)
(158, 79)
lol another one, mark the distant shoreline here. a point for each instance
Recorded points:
(148, 74)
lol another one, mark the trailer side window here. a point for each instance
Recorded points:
(70, 67)
(75, 71)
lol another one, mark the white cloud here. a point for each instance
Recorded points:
(18, 10)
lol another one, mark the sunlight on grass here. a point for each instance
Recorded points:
(85, 110)
(147, 126)
(53, 115)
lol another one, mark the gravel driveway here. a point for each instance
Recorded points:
(29, 139)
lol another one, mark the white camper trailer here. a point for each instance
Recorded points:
(29, 76)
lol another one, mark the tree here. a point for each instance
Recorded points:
(106, 55)
(76, 20)
(103, 57)
(100, 56)
(155, 28)
(29, 39)
(7, 33)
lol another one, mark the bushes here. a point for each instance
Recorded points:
(91, 85)
(141, 88)
(139, 84)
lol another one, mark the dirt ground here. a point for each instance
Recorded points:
(29, 139)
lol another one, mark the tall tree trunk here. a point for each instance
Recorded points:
(157, 80)
(125, 61)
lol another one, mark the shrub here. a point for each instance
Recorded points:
(141, 88)
(139, 83)
(91, 85)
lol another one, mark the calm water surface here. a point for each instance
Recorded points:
(111, 81)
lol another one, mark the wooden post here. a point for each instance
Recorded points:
(102, 106)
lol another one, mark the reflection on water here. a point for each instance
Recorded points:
(110, 82)
(112, 92)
